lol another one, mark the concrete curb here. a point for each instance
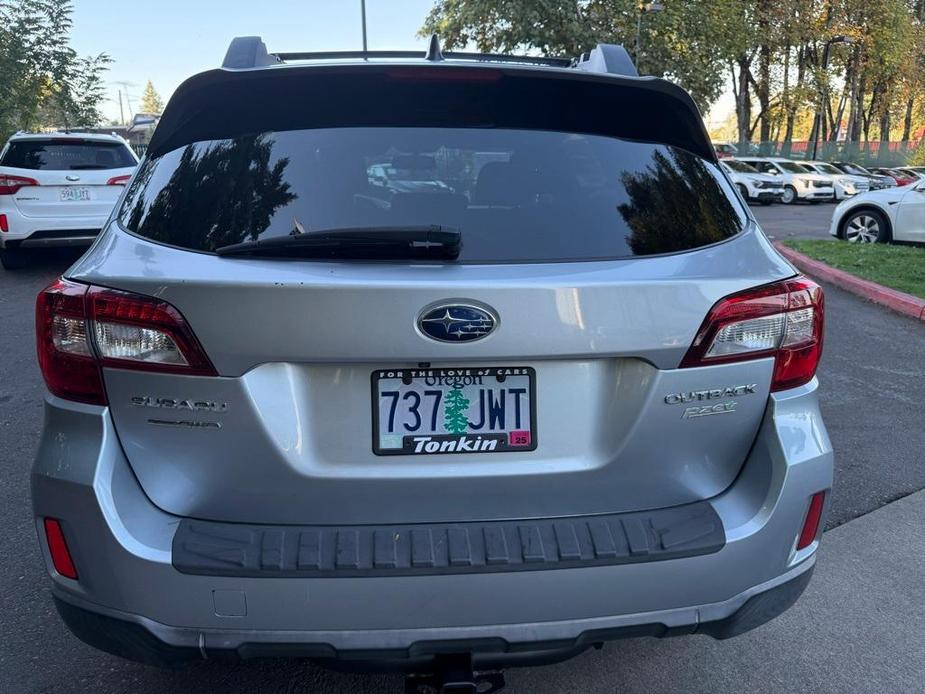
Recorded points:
(900, 302)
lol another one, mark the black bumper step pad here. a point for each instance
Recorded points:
(234, 549)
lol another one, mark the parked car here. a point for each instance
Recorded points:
(877, 181)
(57, 189)
(725, 150)
(753, 185)
(798, 183)
(846, 185)
(902, 178)
(455, 429)
(913, 171)
(882, 216)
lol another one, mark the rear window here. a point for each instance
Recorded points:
(792, 167)
(740, 166)
(67, 155)
(515, 195)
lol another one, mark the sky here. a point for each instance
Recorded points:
(167, 41)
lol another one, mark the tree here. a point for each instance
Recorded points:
(232, 183)
(42, 80)
(799, 69)
(688, 42)
(454, 411)
(677, 185)
(151, 101)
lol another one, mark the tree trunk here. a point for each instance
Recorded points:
(840, 114)
(763, 86)
(853, 133)
(907, 121)
(792, 107)
(743, 103)
(784, 99)
(875, 99)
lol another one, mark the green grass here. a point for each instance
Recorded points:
(898, 267)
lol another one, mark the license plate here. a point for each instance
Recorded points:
(465, 410)
(73, 194)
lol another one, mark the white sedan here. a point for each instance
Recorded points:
(882, 216)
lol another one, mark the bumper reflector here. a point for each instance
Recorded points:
(811, 524)
(60, 555)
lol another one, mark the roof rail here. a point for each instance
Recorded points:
(447, 55)
(246, 52)
(610, 58)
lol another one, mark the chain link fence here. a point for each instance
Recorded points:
(864, 153)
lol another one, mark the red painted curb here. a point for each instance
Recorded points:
(900, 302)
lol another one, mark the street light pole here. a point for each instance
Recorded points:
(823, 93)
(363, 20)
(638, 33)
(643, 8)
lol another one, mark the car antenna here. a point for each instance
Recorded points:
(434, 52)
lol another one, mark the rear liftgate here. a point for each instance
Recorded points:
(451, 672)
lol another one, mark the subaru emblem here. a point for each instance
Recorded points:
(453, 322)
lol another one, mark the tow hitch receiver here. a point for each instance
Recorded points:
(452, 674)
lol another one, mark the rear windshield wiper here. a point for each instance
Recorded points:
(374, 243)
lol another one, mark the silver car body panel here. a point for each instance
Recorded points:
(289, 439)
(122, 544)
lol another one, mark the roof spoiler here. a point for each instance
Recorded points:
(249, 52)
(243, 98)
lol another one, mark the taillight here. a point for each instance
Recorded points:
(118, 180)
(9, 184)
(81, 328)
(4, 224)
(65, 356)
(784, 320)
(131, 331)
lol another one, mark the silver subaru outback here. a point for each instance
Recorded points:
(406, 361)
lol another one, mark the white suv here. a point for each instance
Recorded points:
(846, 185)
(753, 186)
(57, 189)
(799, 184)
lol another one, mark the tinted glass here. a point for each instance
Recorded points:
(853, 169)
(71, 155)
(791, 167)
(827, 169)
(515, 195)
(740, 166)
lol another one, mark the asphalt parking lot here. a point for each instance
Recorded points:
(860, 627)
(800, 221)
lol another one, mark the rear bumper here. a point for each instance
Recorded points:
(816, 194)
(137, 638)
(123, 549)
(43, 232)
(53, 238)
(770, 195)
